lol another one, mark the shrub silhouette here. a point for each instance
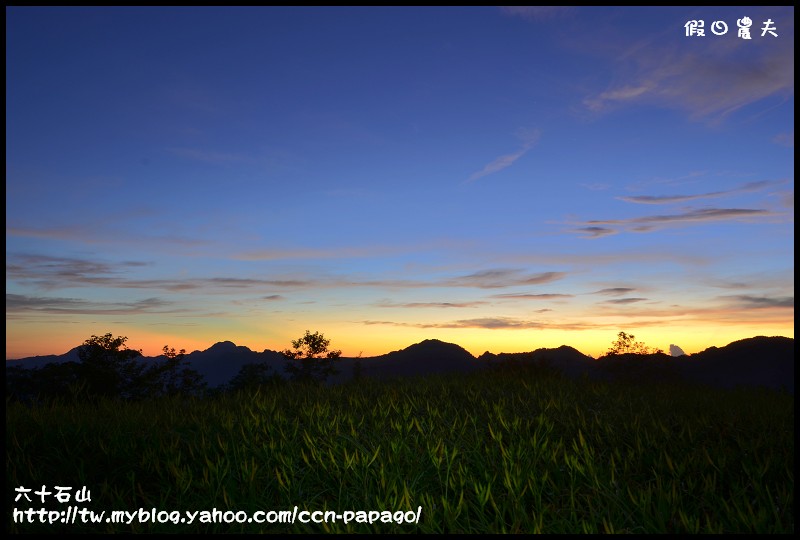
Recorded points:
(625, 344)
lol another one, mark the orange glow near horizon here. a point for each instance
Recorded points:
(375, 340)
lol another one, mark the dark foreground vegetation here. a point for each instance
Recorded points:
(514, 448)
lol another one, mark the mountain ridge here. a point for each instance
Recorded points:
(760, 360)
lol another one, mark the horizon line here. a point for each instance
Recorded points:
(404, 348)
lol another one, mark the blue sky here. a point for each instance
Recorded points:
(501, 178)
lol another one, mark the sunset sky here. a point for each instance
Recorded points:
(501, 178)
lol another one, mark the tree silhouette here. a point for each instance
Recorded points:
(311, 361)
(107, 368)
(625, 344)
(110, 368)
(174, 376)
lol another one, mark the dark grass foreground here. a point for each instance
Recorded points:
(513, 450)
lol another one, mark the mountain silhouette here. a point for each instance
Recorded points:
(567, 360)
(222, 361)
(33, 362)
(758, 361)
(427, 357)
(218, 364)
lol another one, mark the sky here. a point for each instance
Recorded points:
(505, 179)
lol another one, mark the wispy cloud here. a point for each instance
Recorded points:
(311, 253)
(600, 227)
(615, 291)
(52, 272)
(344, 251)
(669, 199)
(49, 273)
(503, 277)
(705, 214)
(594, 231)
(529, 140)
(600, 102)
(507, 323)
(756, 302)
(723, 310)
(492, 323)
(781, 280)
(544, 296)
(416, 305)
(17, 303)
(624, 300)
(726, 76)
(645, 254)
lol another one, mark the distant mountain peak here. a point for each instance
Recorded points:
(563, 349)
(435, 343)
(223, 346)
(430, 347)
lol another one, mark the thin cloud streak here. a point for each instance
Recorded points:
(417, 305)
(617, 257)
(624, 300)
(530, 139)
(705, 214)
(490, 323)
(756, 302)
(18, 303)
(595, 232)
(722, 310)
(500, 278)
(615, 291)
(345, 252)
(620, 94)
(669, 199)
(593, 227)
(508, 323)
(332, 253)
(709, 86)
(544, 296)
(50, 273)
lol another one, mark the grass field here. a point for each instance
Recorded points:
(513, 450)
